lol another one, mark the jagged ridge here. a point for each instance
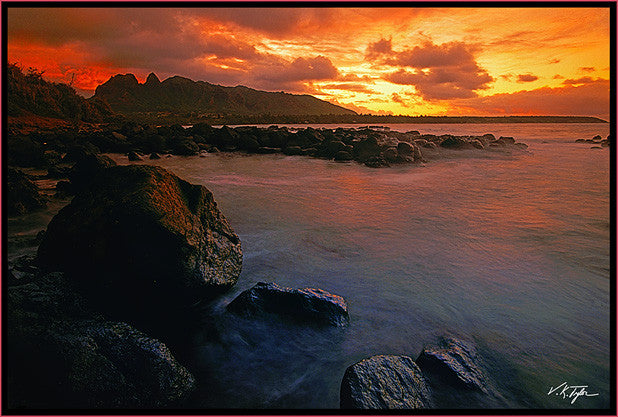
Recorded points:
(177, 94)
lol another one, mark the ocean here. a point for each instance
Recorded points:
(509, 252)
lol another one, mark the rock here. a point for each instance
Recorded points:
(454, 142)
(307, 305)
(418, 154)
(86, 169)
(580, 140)
(186, 148)
(520, 145)
(155, 155)
(343, 156)
(596, 147)
(597, 137)
(456, 362)
(214, 149)
(119, 136)
(376, 162)
(390, 154)
(366, 149)
(333, 147)
(144, 238)
(384, 383)
(605, 143)
(56, 171)
(22, 195)
(266, 150)
(477, 144)
(507, 140)
(77, 152)
(293, 150)
(405, 149)
(64, 356)
(133, 156)
(64, 189)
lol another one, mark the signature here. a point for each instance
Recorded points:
(571, 391)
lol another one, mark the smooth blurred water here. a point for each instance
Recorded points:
(510, 252)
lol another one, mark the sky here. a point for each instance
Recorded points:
(411, 61)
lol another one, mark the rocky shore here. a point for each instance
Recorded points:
(93, 320)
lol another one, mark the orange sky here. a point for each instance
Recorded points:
(477, 61)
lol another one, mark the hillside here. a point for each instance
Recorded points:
(30, 96)
(179, 95)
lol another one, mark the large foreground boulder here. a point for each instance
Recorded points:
(456, 362)
(307, 305)
(384, 383)
(60, 355)
(142, 239)
(22, 194)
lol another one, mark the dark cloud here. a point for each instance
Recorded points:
(586, 69)
(397, 99)
(378, 49)
(584, 100)
(506, 77)
(443, 83)
(582, 80)
(438, 72)
(558, 77)
(554, 61)
(355, 87)
(526, 78)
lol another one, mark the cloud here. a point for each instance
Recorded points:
(526, 78)
(506, 77)
(355, 87)
(397, 99)
(554, 61)
(438, 72)
(586, 69)
(590, 99)
(278, 73)
(557, 77)
(582, 80)
(379, 49)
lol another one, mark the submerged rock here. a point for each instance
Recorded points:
(144, 238)
(22, 194)
(60, 355)
(384, 383)
(456, 362)
(310, 305)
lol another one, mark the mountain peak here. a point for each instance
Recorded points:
(152, 79)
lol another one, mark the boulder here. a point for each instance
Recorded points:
(307, 305)
(405, 149)
(293, 150)
(86, 169)
(343, 156)
(597, 137)
(22, 195)
(390, 154)
(384, 383)
(454, 142)
(155, 155)
(133, 156)
(144, 238)
(456, 362)
(61, 355)
(366, 149)
(376, 162)
(267, 150)
(507, 140)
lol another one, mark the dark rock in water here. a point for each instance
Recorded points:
(334, 147)
(384, 383)
(520, 145)
(76, 153)
(266, 150)
(133, 156)
(310, 305)
(119, 136)
(60, 355)
(605, 143)
(86, 169)
(580, 140)
(22, 195)
(186, 148)
(310, 152)
(366, 149)
(455, 361)
(155, 155)
(507, 139)
(390, 154)
(404, 148)
(454, 142)
(144, 238)
(214, 149)
(597, 137)
(477, 144)
(376, 162)
(293, 150)
(596, 147)
(343, 156)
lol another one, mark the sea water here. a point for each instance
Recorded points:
(508, 252)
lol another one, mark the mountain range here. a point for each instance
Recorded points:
(127, 96)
